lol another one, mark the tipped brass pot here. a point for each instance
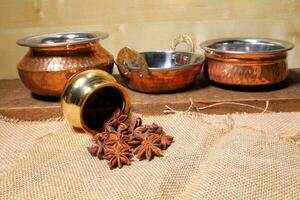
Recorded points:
(91, 97)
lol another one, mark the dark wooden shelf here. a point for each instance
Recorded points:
(19, 102)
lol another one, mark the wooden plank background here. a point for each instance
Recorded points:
(146, 24)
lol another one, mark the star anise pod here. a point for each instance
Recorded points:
(135, 122)
(117, 118)
(123, 128)
(149, 147)
(102, 136)
(117, 156)
(133, 142)
(154, 128)
(119, 139)
(112, 124)
(165, 141)
(139, 131)
(97, 149)
(109, 128)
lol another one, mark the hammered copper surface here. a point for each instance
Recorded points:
(158, 71)
(246, 69)
(46, 70)
(163, 81)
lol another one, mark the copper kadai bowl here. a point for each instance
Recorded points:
(246, 61)
(53, 58)
(159, 71)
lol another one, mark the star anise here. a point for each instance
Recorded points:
(109, 128)
(135, 122)
(149, 147)
(139, 131)
(117, 156)
(112, 124)
(165, 141)
(102, 136)
(154, 128)
(123, 128)
(97, 149)
(119, 139)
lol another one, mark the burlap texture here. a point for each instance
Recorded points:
(250, 156)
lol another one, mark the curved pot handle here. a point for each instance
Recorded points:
(129, 57)
(183, 38)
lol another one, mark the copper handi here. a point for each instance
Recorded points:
(91, 97)
(53, 58)
(160, 71)
(246, 61)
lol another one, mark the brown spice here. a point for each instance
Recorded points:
(165, 141)
(112, 124)
(149, 147)
(135, 122)
(98, 149)
(117, 156)
(118, 140)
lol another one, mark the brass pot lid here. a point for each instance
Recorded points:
(61, 39)
(246, 45)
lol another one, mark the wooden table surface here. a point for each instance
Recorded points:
(19, 102)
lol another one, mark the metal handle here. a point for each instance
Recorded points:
(129, 57)
(183, 38)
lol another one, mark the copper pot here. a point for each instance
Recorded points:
(246, 61)
(53, 58)
(159, 71)
(91, 97)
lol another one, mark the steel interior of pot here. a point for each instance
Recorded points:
(168, 59)
(65, 38)
(58, 39)
(246, 45)
(100, 106)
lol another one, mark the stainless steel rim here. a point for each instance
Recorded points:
(61, 39)
(190, 65)
(279, 45)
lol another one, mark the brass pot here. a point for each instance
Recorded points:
(246, 61)
(91, 97)
(53, 58)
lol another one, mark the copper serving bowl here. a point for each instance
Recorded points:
(246, 61)
(159, 71)
(53, 58)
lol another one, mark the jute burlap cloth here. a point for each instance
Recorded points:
(239, 156)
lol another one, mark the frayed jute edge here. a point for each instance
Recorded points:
(194, 109)
(291, 138)
(16, 120)
(51, 119)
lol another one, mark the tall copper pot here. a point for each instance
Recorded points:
(53, 58)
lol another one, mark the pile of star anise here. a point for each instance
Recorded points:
(119, 141)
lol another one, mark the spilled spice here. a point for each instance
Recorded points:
(119, 141)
